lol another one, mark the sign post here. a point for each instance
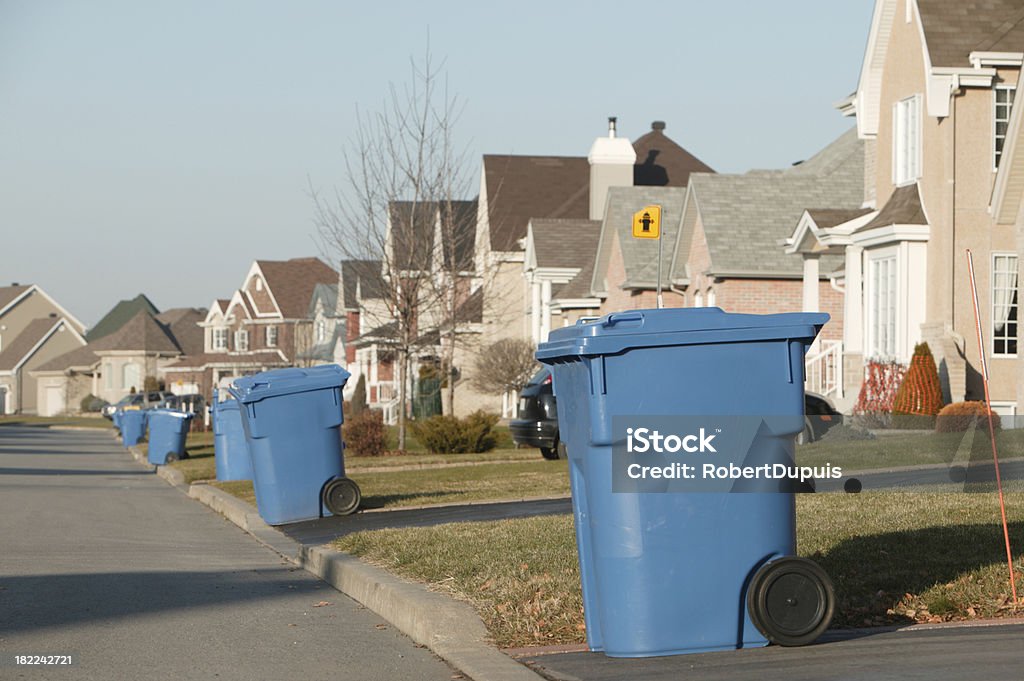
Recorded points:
(647, 225)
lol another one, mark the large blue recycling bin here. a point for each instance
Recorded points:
(667, 573)
(230, 450)
(167, 432)
(292, 420)
(133, 426)
(116, 418)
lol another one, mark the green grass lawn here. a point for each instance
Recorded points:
(912, 449)
(894, 558)
(96, 421)
(462, 484)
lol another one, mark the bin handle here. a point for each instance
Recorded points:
(623, 317)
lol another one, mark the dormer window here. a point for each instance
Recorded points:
(906, 139)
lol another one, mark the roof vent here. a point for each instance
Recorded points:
(658, 125)
(53, 315)
(611, 126)
(14, 283)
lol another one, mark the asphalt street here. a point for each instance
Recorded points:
(102, 560)
(991, 653)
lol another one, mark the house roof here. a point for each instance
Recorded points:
(249, 359)
(472, 309)
(10, 293)
(291, 282)
(142, 333)
(18, 349)
(745, 216)
(955, 28)
(328, 293)
(639, 256)
(524, 187)
(364, 273)
(830, 217)
(119, 315)
(903, 208)
(411, 235)
(183, 325)
(459, 249)
(79, 358)
(565, 243)
(660, 162)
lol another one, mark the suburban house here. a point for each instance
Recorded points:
(263, 325)
(120, 359)
(933, 108)
(34, 329)
(119, 315)
(328, 327)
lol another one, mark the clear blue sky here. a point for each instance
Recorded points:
(160, 147)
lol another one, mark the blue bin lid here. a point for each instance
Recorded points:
(171, 412)
(620, 331)
(288, 381)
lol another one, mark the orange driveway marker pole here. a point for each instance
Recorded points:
(991, 427)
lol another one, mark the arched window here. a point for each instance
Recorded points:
(711, 297)
(698, 299)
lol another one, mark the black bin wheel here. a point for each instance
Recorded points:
(170, 458)
(342, 496)
(791, 601)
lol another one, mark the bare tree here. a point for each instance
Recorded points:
(403, 170)
(504, 366)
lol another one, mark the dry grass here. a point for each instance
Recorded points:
(894, 557)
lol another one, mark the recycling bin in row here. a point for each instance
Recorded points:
(167, 432)
(292, 420)
(133, 426)
(677, 572)
(230, 450)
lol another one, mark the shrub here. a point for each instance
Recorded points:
(364, 434)
(958, 417)
(450, 435)
(877, 392)
(91, 403)
(919, 397)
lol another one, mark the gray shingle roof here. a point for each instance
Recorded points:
(183, 325)
(830, 217)
(565, 243)
(640, 256)
(142, 333)
(902, 208)
(328, 293)
(660, 162)
(119, 316)
(79, 358)
(9, 293)
(362, 274)
(19, 348)
(745, 216)
(955, 28)
(292, 281)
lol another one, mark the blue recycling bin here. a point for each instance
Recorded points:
(116, 418)
(668, 573)
(292, 421)
(132, 426)
(167, 432)
(230, 450)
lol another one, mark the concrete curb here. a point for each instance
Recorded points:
(451, 630)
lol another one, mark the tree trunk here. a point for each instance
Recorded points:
(402, 362)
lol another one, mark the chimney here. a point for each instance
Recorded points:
(611, 165)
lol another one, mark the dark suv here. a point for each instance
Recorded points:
(537, 425)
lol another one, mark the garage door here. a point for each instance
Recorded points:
(54, 403)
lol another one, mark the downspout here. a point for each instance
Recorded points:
(953, 257)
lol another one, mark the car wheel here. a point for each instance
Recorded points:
(551, 453)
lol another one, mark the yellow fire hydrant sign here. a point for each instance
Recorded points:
(647, 223)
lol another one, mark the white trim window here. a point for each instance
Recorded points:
(241, 340)
(220, 338)
(906, 140)
(1002, 103)
(711, 297)
(131, 376)
(321, 330)
(882, 307)
(270, 336)
(1004, 305)
(698, 299)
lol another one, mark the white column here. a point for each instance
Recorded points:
(535, 311)
(811, 279)
(853, 301)
(545, 321)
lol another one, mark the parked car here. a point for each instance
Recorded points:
(193, 403)
(136, 401)
(537, 424)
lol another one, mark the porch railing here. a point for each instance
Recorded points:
(824, 369)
